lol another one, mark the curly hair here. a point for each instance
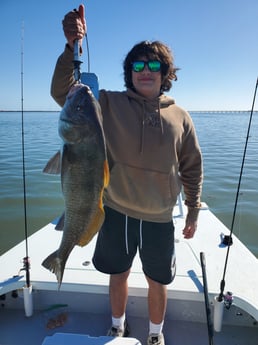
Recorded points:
(153, 51)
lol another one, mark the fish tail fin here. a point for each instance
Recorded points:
(55, 265)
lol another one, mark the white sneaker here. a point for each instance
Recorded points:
(156, 339)
(118, 332)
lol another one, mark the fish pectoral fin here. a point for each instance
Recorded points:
(53, 166)
(93, 227)
(106, 174)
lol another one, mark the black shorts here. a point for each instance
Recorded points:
(119, 238)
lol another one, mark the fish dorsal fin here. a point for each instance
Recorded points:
(93, 227)
(53, 166)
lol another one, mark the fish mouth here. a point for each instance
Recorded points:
(66, 121)
(69, 123)
(75, 88)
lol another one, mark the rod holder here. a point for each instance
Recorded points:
(218, 314)
(28, 301)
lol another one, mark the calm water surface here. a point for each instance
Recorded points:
(222, 138)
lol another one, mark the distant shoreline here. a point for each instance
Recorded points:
(29, 111)
(190, 111)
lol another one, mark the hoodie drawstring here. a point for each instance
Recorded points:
(126, 234)
(140, 233)
(143, 126)
(161, 121)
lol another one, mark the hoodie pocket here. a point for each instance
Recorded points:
(141, 190)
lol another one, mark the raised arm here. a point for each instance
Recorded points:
(74, 27)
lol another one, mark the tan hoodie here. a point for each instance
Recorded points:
(152, 150)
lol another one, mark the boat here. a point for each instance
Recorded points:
(79, 312)
(212, 300)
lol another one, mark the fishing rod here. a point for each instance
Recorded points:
(26, 261)
(219, 299)
(206, 298)
(225, 300)
(222, 284)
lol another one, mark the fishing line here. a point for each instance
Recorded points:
(88, 52)
(87, 78)
(77, 61)
(26, 259)
(222, 283)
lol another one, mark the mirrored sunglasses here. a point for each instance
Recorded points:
(153, 66)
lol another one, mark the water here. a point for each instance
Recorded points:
(222, 138)
(44, 198)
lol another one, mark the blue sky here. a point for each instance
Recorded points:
(215, 43)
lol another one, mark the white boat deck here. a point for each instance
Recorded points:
(87, 286)
(241, 275)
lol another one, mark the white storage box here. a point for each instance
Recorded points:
(83, 339)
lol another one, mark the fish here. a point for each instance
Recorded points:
(84, 169)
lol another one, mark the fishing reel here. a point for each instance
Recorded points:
(228, 299)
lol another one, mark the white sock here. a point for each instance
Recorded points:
(118, 322)
(155, 328)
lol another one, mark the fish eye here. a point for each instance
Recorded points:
(78, 108)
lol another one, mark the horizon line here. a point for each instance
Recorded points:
(190, 111)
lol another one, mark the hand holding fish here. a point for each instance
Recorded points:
(74, 26)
